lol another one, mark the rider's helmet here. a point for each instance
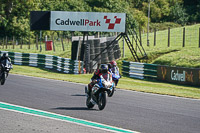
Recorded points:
(113, 63)
(104, 68)
(5, 55)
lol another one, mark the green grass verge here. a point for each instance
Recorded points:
(124, 83)
(185, 58)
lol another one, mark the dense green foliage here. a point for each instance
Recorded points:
(15, 14)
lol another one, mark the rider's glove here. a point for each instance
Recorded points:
(94, 81)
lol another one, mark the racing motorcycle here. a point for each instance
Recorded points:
(5, 68)
(115, 78)
(98, 93)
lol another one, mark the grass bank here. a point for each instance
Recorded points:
(124, 83)
(174, 54)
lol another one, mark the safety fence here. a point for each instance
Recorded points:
(139, 70)
(55, 63)
(188, 36)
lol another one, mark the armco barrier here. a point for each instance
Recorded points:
(46, 61)
(139, 70)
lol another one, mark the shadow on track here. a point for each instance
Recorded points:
(80, 95)
(71, 108)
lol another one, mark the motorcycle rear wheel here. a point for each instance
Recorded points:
(102, 101)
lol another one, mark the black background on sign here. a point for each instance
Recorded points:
(40, 20)
(194, 73)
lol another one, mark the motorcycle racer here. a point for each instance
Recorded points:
(4, 57)
(100, 73)
(115, 72)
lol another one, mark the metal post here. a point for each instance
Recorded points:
(87, 64)
(184, 37)
(72, 34)
(3, 43)
(140, 36)
(21, 42)
(154, 37)
(40, 41)
(123, 49)
(148, 24)
(37, 41)
(169, 37)
(13, 42)
(29, 43)
(62, 41)
(45, 41)
(78, 48)
(83, 47)
(52, 38)
(6, 42)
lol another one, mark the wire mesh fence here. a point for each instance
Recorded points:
(171, 38)
(60, 45)
(176, 37)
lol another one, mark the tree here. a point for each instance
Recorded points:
(178, 14)
(15, 17)
(192, 9)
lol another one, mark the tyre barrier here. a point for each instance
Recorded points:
(97, 51)
(55, 63)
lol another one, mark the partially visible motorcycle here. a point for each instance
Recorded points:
(4, 70)
(98, 93)
(115, 78)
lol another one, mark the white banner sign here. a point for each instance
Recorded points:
(87, 21)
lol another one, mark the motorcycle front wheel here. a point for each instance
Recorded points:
(102, 100)
(89, 104)
(112, 92)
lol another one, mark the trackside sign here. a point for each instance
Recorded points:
(87, 21)
(178, 75)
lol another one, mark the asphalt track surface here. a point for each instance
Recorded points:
(142, 112)
(13, 122)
